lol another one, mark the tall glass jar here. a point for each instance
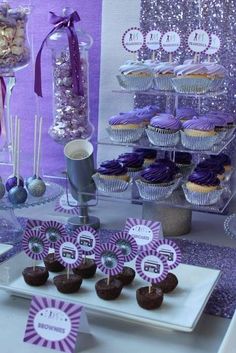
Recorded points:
(71, 111)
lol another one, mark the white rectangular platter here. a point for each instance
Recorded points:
(229, 342)
(180, 310)
(4, 248)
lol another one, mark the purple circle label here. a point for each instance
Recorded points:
(87, 239)
(170, 251)
(35, 244)
(53, 231)
(198, 40)
(68, 252)
(152, 39)
(133, 39)
(109, 259)
(151, 266)
(126, 243)
(170, 41)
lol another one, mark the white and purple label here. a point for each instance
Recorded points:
(67, 204)
(87, 239)
(146, 233)
(198, 41)
(170, 251)
(170, 41)
(68, 252)
(54, 324)
(35, 244)
(109, 259)
(152, 39)
(126, 243)
(215, 45)
(133, 39)
(53, 231)
(151, 266)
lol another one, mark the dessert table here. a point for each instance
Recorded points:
(116, 335)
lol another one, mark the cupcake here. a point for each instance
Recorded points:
(198, 134)
(220, 125)
(111, 176)
(213, 166)
(126, 127)
(168, 284)
(68, 285)
(148, 154)
(230, 123)
(185, 113)
(202, 188)
(132, 161)
(183, 161)
(86, 269)
(163, 130)
(191, 78)
(135, 75)
(217, 74)
(108, 291)
(225, 161)
(35, 276)
(157, 182)
(52, 264)
(146, 113)
(126, 276)
(149, 300)
(163, 73)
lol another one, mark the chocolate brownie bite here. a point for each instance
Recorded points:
(52, 264)
(86, 269)
(68, 285)
(108, 291)
(35, 276)
(149, 301)
(126, 276)
(168, 284)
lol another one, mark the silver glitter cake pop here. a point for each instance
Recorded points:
(37, 187)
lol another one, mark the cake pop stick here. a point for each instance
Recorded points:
(35, 143)
(18, 153)
(39, 146)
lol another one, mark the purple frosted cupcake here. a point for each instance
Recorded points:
(163, 130)
(202, 188)
(147, 113)
(230, 123)
(225, 161)
(157, 182)
(135, 75)
(213, 166)
(220, 125)
(198, 134)
(132, 161)
(185, 113)
(183, 161)
(163, 73)
(148, 154)
(125, 127)
(174, 169)
(111, 176)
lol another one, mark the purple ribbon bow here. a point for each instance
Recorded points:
(67, 23)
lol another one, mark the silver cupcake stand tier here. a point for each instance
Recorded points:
(10, 228)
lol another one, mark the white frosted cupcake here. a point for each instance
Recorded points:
(163, 73)
(135, 76)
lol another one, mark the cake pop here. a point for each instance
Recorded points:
(17, 194)
(35, 184)
(2, 189)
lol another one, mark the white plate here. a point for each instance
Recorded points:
(4, 248)
(229, 342)
(180, 310)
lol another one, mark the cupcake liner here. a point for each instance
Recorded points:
(133, 173)
(202, 198)
(163, 83)
(125, 135)
(134, 83)
(110, 185)
(221, 135)
(154, 192)
(198, 143)
(191, 85)
(216, 84)
(229, 133)
(158, 138)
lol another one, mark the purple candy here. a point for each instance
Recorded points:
(12, 182)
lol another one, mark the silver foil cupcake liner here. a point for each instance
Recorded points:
(198, 143)
(191, 85)
(133, 174)
(125, 135)
(221, 135)
(229, 133)
(163, 83)
(162, 139)
(134, 83)
(154, 192)
(202, 198)
(216, 84)
(110, 185)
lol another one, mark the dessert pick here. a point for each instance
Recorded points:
(88, 241)
(12, 179)
(109, 260)
(129, 248)
(35, 184)
(17, 194)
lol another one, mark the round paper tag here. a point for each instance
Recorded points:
(215, 45)
(68, 252)
(151, 266)
(170, 41)
(53, 231)
(133, 39)
(109, 259)
(170, 251)
(145, 233)
(35, 244)
(87, 239)
(126, 243)
(152, 39)
(198, 41)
